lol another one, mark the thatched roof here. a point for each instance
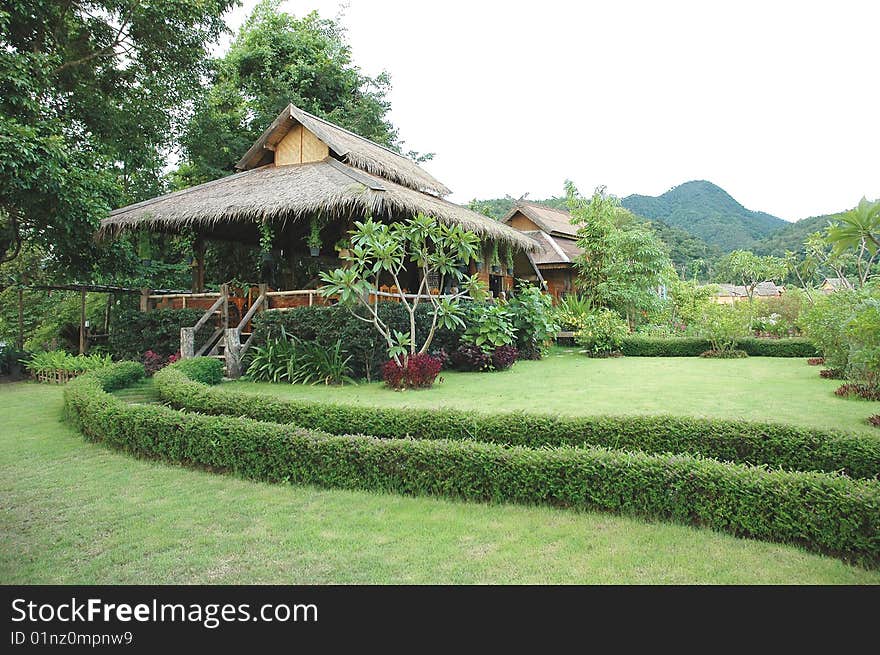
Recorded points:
(327, 188)
(347, 146)
(359, 178)
(552, 221)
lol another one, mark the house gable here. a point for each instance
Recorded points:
(300, 146)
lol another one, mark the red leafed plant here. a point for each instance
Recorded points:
(816, 361)
(874, 420)
(504, 357)
(865, 391)
(153, 361)
(831, 373)
(419, 372)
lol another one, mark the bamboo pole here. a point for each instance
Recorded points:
(20, 342)
(82, 322)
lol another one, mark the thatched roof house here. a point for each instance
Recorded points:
(556, 237)
(303, 167)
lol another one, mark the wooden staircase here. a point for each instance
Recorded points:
(228, 344)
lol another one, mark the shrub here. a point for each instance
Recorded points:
(773, 444)
(419, 372)
(327, 325)
(154, 361)
(723, 326)
(831, 373)
(825, 325)
(132, 332)
(601, 332)
(640, 346)
(570, 311)
(468, 357)
(489, 326)
(825, 512)
(533, 321)
(856, 390)
(816, 361)
(205, 370)
(504, 357)
(874, 420)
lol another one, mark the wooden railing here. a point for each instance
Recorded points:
(188, 334)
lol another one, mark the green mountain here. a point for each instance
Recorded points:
(791, 236)
(707, 211)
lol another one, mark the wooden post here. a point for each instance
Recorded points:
(82, 321)
(264, 288)
(224, 308)
(233, 353)
(145, 300)
(187, 342)
(198, 284)
(20, 342)
(107, 313)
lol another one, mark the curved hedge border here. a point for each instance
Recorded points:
(745, 442)
(827, 513)
(636, 346)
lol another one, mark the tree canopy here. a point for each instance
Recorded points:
(274, 60)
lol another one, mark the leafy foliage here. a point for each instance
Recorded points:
(601, 332)
(379, 249)
(290, 359)
(489, 326)
(133, 332)
(723, 326)
(533, 320)
(58, 360)
(419, 372)
(641, 346)
(469, 357)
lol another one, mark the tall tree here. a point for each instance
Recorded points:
(92, 93)
(623, 261)
(277, 59)
(857, 232)
(750, 270)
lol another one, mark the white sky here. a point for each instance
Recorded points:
(776, 102)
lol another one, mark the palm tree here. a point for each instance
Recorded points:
(858, 230)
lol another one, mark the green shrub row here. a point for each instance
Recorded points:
(776, 445)
(827, 513)
(637, 346)
(327, 325)
(133, 332)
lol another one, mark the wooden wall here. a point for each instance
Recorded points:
(300, 146)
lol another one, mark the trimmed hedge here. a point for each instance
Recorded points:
(205, 370)
(637, 346)
(132, 332)
(746, 442)
(827, 513)
(327, 325)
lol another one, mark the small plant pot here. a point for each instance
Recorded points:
(496, 270)
(479, 267)
(343, 253)
(314, 251)
(510, 271)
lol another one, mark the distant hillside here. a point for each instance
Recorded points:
(707, 211)
(791, 236)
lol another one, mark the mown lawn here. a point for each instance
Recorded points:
(76, 512)
(756, 388)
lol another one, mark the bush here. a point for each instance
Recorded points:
(816, 361)
(825, 325)
(856, 390)
(827, 513)
(773, 444)
(154, 361)
(639, 346)
(133, 333)
(723, 326)
(534, 322)
(504, 357)
(601, 332)
(468, 357)
(327, 325)
(419, 372)
(489, 326)
(205, 370)
(831, 374)
(874, 420)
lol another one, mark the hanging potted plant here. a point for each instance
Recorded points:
(509, 260)
(342, 247)
(314, 240)
(267, 238)
(479, 262)
(495, 262)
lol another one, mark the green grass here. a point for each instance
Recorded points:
(756, 388)
(75, 512)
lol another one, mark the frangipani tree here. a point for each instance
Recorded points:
(378, 250)
(858, 232)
